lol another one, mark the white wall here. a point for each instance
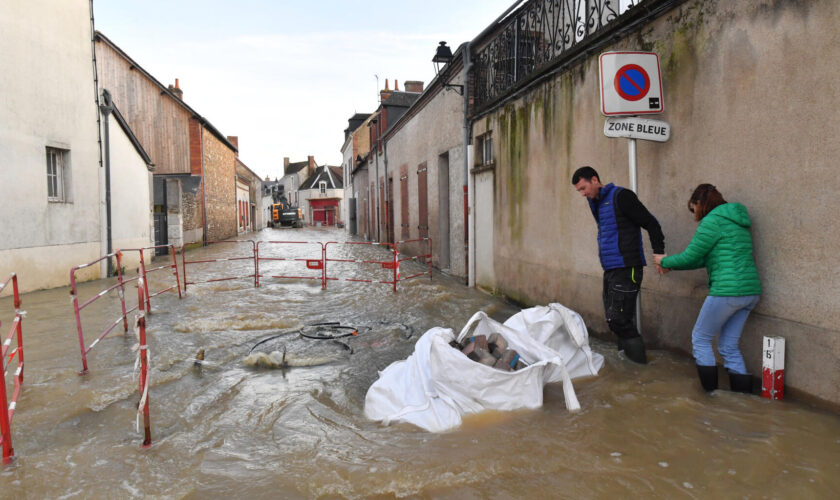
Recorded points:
(132, 224)
(48, 100)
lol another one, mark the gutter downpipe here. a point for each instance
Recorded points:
(106, 109)
(203, 187)
(376, 182)
(104, 268)
(385, 190)
(469, 181)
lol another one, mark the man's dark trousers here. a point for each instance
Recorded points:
(621, 287)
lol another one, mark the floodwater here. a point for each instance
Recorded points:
(241, 427)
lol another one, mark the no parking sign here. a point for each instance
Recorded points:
(630, 83)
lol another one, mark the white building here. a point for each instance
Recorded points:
(321, 196)
(52, 171)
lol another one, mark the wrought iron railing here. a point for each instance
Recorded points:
(537, 37)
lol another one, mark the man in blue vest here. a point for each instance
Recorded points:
(620, 216)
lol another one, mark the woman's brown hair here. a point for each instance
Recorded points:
(705, 198)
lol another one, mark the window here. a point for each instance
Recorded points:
(58, 174)
(323, 186)
(485, 149)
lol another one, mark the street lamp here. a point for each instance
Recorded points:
(443, 56)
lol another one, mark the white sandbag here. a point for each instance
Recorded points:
(437, 385)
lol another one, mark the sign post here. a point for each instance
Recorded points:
(631, 85)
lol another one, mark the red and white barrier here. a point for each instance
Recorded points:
(314, 262)
(7, 408)
(251, 257)
(427, 255)
(119, 286)
(390, 263)
(144, 273)
(143, 359)
(773, 368)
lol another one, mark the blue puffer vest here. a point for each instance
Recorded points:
(611, 225)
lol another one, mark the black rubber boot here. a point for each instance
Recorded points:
(740, 382)
(634, 349)
(708, 377)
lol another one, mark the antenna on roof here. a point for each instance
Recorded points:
(377, 88)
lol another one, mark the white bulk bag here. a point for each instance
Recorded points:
(435, 386)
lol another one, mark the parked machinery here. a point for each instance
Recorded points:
(282, 213)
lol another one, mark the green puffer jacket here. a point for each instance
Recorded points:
(723, 245)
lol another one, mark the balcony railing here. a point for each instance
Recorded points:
(543, 34)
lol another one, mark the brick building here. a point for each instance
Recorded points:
(194, 179)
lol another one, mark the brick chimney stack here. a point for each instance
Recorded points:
(234, 139)
(385, 94)
(311, 167)
(414, 86)
(396, 85)
(176, 89)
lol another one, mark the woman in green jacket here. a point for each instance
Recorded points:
(723, 245)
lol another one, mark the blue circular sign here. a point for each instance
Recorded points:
(632, 82)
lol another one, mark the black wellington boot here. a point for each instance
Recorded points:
(740, 382)
(634, 349)
(708, 377)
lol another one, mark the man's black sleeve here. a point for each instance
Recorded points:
(634, 210)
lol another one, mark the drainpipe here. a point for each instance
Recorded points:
(376, 180)
(106, 109)
(387, 207)
(469, 195)
(203, 187)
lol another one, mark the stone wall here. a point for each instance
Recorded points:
(220, 184)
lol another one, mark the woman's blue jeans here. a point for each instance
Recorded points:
(726, 315)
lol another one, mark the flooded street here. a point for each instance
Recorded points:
(234, 427)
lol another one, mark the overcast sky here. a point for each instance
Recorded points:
(286, 75)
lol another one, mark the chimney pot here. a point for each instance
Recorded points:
(396, 85)
(386, 84)
(176, 84)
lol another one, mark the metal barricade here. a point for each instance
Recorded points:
(311, 263)
(144, 273)
(119, 286)
(143, 354)
(390, 263)
(7, 408)
(427, 256)
(253, 258)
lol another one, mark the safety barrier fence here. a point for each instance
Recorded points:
(390, 263)
(427, 256)
(143, 359)
(315, 262)
(77, 309)
(7, 408)
(252, 257)
(145, 272)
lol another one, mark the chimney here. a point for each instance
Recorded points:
(176, 89)
(234, 139)
(267, 178)
(311, 167)
(385, 94)
(414, 86)
(396, 85)
(285, 163)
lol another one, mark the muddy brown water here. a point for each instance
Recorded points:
(231, 429)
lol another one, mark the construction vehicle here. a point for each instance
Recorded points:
(282, 214)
